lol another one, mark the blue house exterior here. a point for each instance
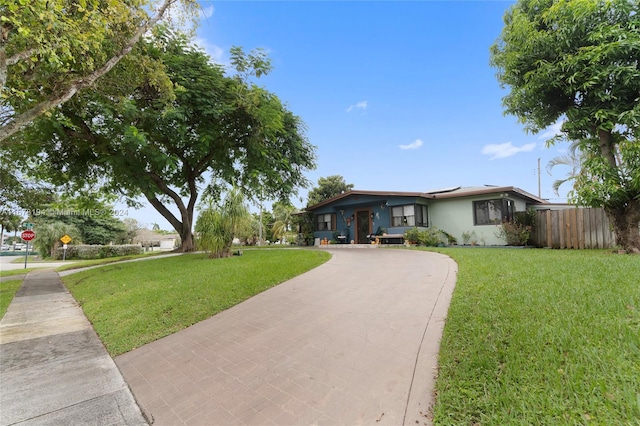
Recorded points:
(361, 216)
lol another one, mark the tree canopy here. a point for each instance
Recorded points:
(137, 141)
(578, 62)
(51, 49)
(328, 187)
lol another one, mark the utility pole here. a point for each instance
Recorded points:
(260, 228)
(539, 192)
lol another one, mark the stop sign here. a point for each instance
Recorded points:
(28, 235)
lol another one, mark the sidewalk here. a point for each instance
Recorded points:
(53, 367)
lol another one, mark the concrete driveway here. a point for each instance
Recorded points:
(352, 342)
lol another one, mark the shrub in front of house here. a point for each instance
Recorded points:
(431, 237)
(514, 233)
(82, 252)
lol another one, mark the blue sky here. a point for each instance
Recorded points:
(395, 95)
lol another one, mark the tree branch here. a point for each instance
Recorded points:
(606, 147)
(160, 183)
(21, 56)
(82, 82)
(164, 211)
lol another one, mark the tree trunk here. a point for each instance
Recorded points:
(626, 225)
(188, 244)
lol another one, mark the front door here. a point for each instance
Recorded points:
(362, 226)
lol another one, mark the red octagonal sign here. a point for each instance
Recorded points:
(28, 235)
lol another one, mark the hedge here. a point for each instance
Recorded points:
(97, 251)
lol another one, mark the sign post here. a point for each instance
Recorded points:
(65, 240)
(27, 236)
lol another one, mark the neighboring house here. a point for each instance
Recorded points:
(355, 215)
(152, 239)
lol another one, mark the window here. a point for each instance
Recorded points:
(492, 212)
(409, 215)
(326, 222)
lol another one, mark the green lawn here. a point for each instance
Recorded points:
(77, 264)
(541, 337)
(7, 290)
(532, 336)
(130, 304)
(12, 272)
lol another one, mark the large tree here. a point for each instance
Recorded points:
(578, 61)
(91, 214)
(51, 49)
(20, 195)
(139, 142)
(328, 187)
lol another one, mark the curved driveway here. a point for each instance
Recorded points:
(354, 341)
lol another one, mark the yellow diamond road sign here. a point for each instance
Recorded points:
(66, 239)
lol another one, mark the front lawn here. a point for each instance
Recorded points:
(7, 290)
(130, 304)
(542, 337)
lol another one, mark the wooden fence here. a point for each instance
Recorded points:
(576, 228)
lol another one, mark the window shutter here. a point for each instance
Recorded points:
(333, 222)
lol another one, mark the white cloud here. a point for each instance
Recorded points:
(360, 105)
(206, 12)
(504, 150)
(415, 145)
(551, 131)
(216, 53)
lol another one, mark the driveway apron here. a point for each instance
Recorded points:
(352, 342)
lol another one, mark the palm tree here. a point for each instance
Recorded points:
(282, 214)
(573, 159)
(216, 228)
(9, 223)
(49, 234)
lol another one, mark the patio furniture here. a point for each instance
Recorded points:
(343, 237)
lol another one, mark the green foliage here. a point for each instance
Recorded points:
(8, 289)
(211, 233)
(89, 214)
(450, 238)
(135, 303)
(574, 58)
(282, 225)
(217, 226)
(517, 232)
(430, 237)
(305, 224)
(514, 233)
(84, 252)
(328, 187)
(577, 61)
(468, 236)
(19, 195)
(137, 141)
(48, 236)
(542, 337)
(52, 49)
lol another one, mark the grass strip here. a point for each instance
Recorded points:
(8, 289)
(541, 337)
(131, 304)
(15, 272)
(77, 264)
